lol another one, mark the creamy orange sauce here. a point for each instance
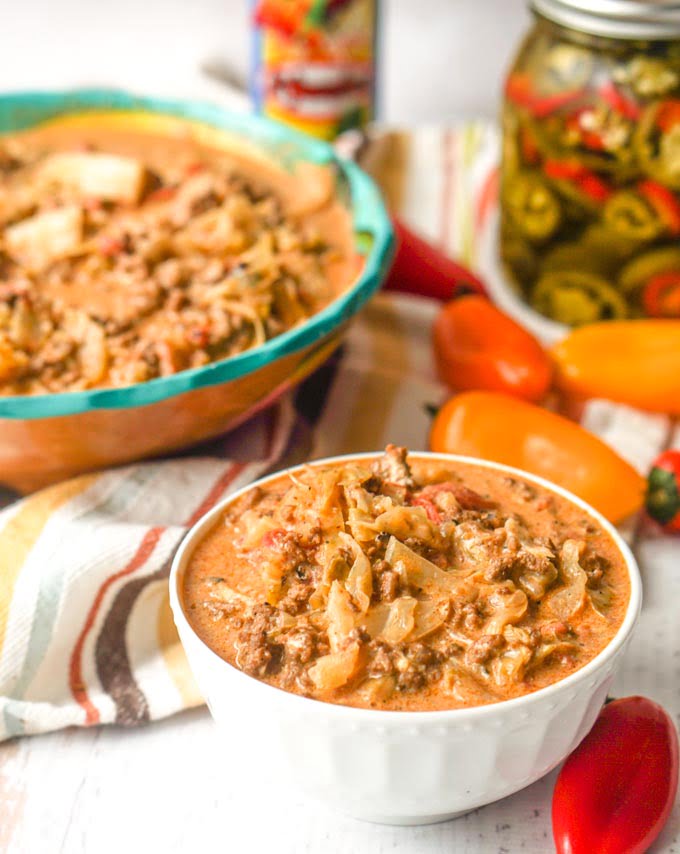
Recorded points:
(455, 672)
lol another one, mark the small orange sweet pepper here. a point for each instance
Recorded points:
(477, 346)
(503, 429)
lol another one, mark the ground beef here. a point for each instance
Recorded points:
(471, 616)
(393, 467)
(555, 632)
(296, 598)
(389, 586)
(499, 567)
(412, 665)
(299, 586)
(385, 582)
(595, 566)
(380, 659)
(290, 553)
(522, 488)
(300, 645)
(417, 666)
(256, 655)
(483, 649)
(488, 520)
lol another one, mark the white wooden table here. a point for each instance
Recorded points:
(168, 788)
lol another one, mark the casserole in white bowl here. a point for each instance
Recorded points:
(404, 767)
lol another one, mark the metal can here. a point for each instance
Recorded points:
(314, 63)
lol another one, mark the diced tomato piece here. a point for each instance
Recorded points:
(430, 508)
(162, 194)
(110, 246)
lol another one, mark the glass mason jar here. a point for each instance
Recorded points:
(590, 190)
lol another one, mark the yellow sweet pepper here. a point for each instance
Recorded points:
(636, 362)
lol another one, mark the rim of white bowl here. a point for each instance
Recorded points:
(204, 525)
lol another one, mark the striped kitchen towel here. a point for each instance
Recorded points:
(86, 634)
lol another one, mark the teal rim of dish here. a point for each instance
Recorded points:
(373, 234)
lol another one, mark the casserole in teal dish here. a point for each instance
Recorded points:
(45, 438)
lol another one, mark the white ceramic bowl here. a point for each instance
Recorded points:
(403, 767)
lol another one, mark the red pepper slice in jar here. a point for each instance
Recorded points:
(587, 182)
(520, 90)
(664, 202)
(531, 153)
(563, 170)
(616, 790)
(668, 115)
(662, 500)
(661, 296)
(590, 139)
(594, 187)
(619, 102)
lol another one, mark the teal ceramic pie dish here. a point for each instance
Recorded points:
(45, 438)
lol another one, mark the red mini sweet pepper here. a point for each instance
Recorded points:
(616, 790)
(477, 346)
(420, 268)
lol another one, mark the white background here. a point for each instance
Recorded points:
(440, 58)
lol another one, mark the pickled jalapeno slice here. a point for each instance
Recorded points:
(637, 272)
(532, 206)
(630, 215)
(576, 298)
(658, 150)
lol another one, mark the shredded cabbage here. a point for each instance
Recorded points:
(570, 600)
(418, 571)
(341, 616)
(509, 606)
(360, 578)
(336, 669)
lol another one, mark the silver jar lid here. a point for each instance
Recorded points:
(620, 19)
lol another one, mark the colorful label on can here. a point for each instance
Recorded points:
(314, 63)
